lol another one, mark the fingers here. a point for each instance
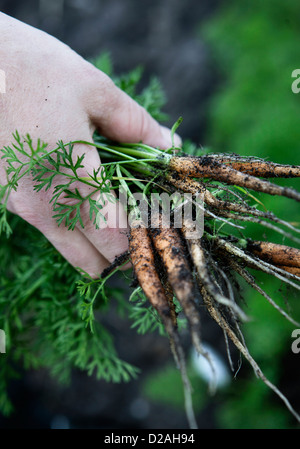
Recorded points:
(109, 232)
(76, 249)
(110, 237)
(87, 248)
(119, 117)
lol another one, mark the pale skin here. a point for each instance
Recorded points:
(54, 94)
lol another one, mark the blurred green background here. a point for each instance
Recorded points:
(255, 112)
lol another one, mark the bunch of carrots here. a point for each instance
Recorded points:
(172, 262)
(168, 263)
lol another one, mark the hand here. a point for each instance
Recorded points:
(54, 94)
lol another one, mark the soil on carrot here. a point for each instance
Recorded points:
(194, 272)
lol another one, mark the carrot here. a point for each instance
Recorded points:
(169, 246)
(292, 270)
(170, 296)
(275, 253)
(236, 266)
(220, 207)
(262, 168)
(143, 259)
(208, 167)
(189, 185)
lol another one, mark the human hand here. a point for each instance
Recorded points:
(54, 94)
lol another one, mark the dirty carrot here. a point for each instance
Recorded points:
(208, 167)
(142, 258)
(169, 246)
(292, 270)
(264, 169)
(275, 253)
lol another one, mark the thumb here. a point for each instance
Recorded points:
(120, 118)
